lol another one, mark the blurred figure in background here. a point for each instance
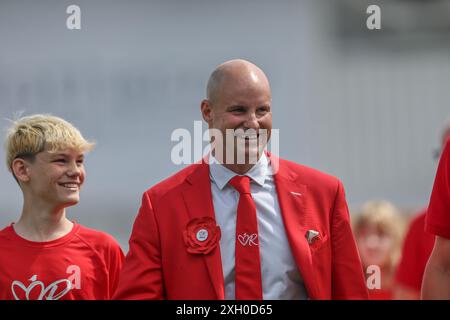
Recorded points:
(416, 250)
(378, 231)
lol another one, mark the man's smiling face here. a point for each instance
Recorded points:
(241, 101)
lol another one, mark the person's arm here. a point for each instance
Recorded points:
(114, 263)
(436, 280)
(141, 275)
(348, 280)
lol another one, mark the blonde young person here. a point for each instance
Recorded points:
(44, 255)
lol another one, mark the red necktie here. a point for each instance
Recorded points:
(247, 260)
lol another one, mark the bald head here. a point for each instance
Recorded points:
(238, 100)
(237, 74)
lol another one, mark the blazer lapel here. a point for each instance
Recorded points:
(198, 198)
(291, 197)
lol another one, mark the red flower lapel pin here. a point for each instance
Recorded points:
(201, 235)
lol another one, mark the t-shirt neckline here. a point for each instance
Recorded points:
(44, 244)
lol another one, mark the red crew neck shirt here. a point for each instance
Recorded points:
(82, 265)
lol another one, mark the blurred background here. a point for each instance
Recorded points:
(366, 106)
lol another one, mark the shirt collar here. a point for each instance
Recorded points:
(221, 174)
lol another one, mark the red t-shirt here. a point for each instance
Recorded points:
(438, 216)
(417, 248)
(378, 294)
(82, 265)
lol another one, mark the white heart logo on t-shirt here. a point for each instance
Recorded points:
(45, 293)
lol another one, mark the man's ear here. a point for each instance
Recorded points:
(20, 170)
(206, 110)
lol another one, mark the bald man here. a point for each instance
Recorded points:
(242, 224)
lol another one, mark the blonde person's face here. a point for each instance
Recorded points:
(374, 246)
(57, 177)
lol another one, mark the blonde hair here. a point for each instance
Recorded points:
(42, 132)
(384, 216)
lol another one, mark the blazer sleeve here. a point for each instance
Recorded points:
(141, 275)
(348, 281)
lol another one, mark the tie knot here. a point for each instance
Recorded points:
(241, 184)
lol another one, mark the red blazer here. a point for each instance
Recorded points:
(159, 267)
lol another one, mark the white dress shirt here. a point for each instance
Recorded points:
(281, 278)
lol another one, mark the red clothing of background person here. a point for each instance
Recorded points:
(436, 280)
(417, 248)
(438, 216)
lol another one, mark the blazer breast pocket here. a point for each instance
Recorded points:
(318, 244)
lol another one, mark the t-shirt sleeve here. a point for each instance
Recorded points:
(438, 216)
(115, 262)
